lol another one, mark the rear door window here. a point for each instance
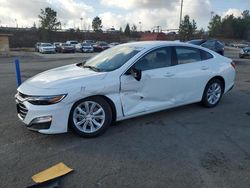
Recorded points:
(187, 55)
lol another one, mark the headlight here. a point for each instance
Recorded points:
(45, 100)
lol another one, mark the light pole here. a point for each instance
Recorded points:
(16, 23)
(181, 13)
(212, 14)
(81, 22)
(140, 25)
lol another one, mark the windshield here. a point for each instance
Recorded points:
(103, 44)
(112, 58)
(64, 44)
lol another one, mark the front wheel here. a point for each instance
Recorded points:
(212, 93)
(90, 117)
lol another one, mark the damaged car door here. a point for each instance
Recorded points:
(154, 88)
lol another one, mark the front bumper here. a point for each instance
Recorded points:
(48, 50)
(59, 113)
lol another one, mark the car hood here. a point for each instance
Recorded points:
(62, 78)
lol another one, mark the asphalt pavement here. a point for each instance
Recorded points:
(189, 146)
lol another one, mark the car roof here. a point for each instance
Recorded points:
(152, 44)
(46, 43)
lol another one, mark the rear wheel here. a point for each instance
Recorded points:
(90, 117)
(212, 93)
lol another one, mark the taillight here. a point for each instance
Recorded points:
(233, 64)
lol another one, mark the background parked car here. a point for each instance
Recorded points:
(214, 45)
(89, 42)
(56, 45)
(46, 48)
(64, 48)
(37, 46)
(100, 46)
(244, 52)
(72, 42)
(84, 47)
(197, 41)
(113, 44)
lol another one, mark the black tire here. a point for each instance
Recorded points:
(205, 100)
(107, 120)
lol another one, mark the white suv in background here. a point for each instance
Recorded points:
(72, 42)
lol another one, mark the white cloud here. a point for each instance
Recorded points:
(133, 4)
(234, 11)
(26, 12)
(164, 13)
(154, 13)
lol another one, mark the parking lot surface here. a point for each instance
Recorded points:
(189, 146)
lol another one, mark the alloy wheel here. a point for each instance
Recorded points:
(88, 116)
(214, 93)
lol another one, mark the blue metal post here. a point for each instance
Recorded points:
(18, 74)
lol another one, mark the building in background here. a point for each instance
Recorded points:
(4, 44)
(153, 36)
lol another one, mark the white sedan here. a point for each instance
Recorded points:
(125, 81)
(46, 48)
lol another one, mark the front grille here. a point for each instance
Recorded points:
(21, 110)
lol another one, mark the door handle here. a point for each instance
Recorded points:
(204, 68)
(169, 74)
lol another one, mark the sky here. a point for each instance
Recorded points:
(145, 14)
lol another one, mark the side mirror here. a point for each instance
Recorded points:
(136, 73)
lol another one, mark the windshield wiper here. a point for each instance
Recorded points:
(92, 68)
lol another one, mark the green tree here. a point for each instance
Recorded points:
(48, 19)
(120, 30)
(228, 25)
(245, 24)
(134, 28)
(187, 28)
(127, 30)
(215, 26)
(97, 24)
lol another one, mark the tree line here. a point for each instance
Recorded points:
(227, 27)
(231, 26)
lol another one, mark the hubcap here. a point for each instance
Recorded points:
(214, 93)
(88, 116)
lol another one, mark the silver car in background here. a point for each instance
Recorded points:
(46, 48)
